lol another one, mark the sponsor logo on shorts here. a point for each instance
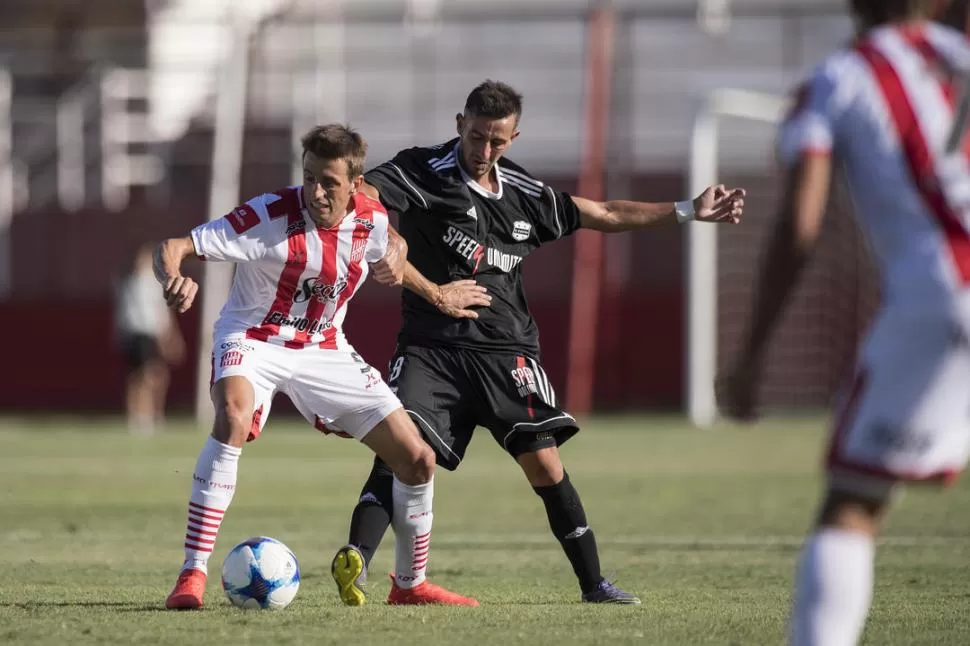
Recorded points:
(231, 358)
(236, 345)
(525, 381)
(899, 439)
(372, 380)
(543, 436)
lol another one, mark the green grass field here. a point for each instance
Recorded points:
(704, 526)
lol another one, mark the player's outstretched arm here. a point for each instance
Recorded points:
(715, 204)
(796, 231)
(167, 260)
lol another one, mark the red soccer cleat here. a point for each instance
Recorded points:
(188, 591)
(426, 593)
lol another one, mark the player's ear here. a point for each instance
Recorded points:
(356, 183)
(514, 135)
(459, 123)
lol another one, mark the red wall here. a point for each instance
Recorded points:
(61, 356)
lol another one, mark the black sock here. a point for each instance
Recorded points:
(372, 515)
(568, 522)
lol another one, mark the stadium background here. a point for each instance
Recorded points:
(109, 110)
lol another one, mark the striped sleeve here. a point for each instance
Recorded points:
(235, 237)
(809, 127)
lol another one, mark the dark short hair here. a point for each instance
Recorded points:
(337, 141)
(878, 12)
(495, 100)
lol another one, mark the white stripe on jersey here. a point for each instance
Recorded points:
(528, 189)
(405, 179)
(438, 163)
(555, 211)
(934, 116)
(523, 177)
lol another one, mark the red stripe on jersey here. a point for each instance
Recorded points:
(296, 259)
(364, 216)
(328, 276)
(291, 201)
(919, 157)
(938, 65)
(520, 364)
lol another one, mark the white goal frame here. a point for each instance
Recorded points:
(701, 314)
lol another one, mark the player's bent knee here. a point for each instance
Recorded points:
(232, 399)
(542, 467)
(854, 508)
(397, 442)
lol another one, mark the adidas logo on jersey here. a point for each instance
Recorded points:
(472, 213)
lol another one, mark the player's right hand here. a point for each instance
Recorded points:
(455, 299)
(180, 293)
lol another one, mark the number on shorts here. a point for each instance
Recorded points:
(396, 370)
(359, 359)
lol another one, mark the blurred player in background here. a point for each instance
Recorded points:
(470, 216)
(892, 108)
(150, 341)
(301, 254)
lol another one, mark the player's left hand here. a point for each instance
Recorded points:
(719, 204)
(389, 270)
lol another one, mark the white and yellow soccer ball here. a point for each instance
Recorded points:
(260, 573)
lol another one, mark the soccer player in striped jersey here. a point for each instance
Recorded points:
(301, 254)
(468, 351)
(892, 108)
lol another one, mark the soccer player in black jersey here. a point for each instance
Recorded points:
(470, 216)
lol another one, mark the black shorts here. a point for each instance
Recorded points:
(450, 391)
(139, 349)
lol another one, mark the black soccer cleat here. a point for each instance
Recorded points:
(606, 592)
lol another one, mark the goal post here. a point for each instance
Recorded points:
(702, 241)
(227, 154)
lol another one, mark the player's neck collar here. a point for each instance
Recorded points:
(475, 186)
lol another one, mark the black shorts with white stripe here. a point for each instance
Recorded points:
(450, 391)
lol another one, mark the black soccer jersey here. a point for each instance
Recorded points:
(456, 229)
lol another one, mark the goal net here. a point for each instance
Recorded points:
(813, 349)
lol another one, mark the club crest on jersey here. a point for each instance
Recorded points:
(521, 230)
(358, 249)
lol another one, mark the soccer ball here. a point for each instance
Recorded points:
(260, 572)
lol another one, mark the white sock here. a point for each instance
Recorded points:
(213, 484)
(412, 531)
(833, 589)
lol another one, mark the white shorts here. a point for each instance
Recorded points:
(335, 390)
(906, 416)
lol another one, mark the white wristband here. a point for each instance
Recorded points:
(684, 211)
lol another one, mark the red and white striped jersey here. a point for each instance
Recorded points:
(293, 279)
(888, 107)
